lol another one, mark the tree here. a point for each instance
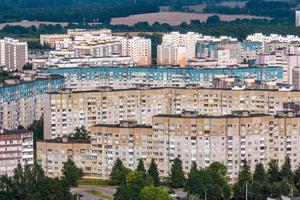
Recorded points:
(80, 134)
(276, 189)
(37, 127)
(213, 19)
(227, 192)
(177, 175)
(118, 173)
(243, 179)
(141, 167)
(273, 172)
(153, 172)
(193, 169)
(260, 174)
(297, 178)
(285, 187)
(30, 183)
(210, 181)
(154, 193)
(286, 171)
(71, 173)
(27, 66)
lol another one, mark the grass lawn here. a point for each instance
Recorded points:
(100, 194)
(94, 182)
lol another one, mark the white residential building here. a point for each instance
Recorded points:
(169, 54)
(138, 48)
(13, 54)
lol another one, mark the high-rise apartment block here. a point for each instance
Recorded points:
(13, 54)
(98, 44)
(21, 101)
(16, 146)
(82, 78)
(170, 54)
(138, 48)
(228, 139)
(64, 111)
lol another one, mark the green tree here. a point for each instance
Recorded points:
(141, 167)
(37, 127)
(260, 174)
(118, 173)
(243, 179)
(297, 178)
(276, 189)
(193, 169)
(213, 19)
(30, 183)
(71, 173)
(154, 193)
(27, 66)
(227, 192)
(177, 178)
(153, 172)
(135, 182)
(80, 134)
(273, 172)
(286, 170)
(286, 187)
(256, 190)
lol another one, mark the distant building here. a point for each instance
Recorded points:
(170, 54)
(297, 18)
(16, 146)
(90, 78)
(13, 54)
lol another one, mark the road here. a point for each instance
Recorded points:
(81, 190)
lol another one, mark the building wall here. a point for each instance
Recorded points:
(15, 147)
(227, 139)
(52, 155)
(74, 109)
(13, 54)
(22, 103)
(81, 78)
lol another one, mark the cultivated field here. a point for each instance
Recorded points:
(174, 18)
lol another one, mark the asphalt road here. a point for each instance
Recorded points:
(81, 190)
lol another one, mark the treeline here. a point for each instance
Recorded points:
(214, 26)
(31, 183)
(274, 9)
(210, 182)
(73, 10)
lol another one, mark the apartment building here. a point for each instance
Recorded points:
(139, 49)
(228, 139)
(281, 57)
(101, 43)
(52, 154)
(13, 54)
(66, 110)
(87, 61)
(82, 78)
(21, 101)
(71, 33)
(16, 146)
(174, 55)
